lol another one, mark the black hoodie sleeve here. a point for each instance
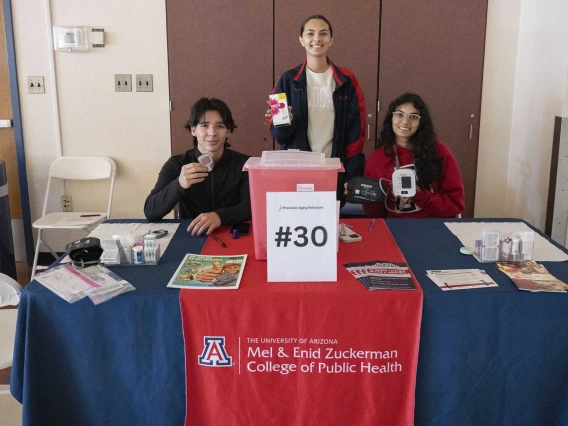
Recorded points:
(240, 212)
(166, 193)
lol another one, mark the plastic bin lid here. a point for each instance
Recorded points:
(293, 159)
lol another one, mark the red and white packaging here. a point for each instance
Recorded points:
(279, 108)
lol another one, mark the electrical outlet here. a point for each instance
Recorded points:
(35, 85)
(144, 83)
(66, 203)
(123, 83)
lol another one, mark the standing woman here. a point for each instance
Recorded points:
(408, 141)
(327, 104)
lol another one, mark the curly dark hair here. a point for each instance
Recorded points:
(429, 167)
(197, 114)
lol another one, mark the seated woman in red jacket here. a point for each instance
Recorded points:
(408, 141)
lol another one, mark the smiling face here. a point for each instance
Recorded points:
(404, 128)
(316, 38)
(211, 134)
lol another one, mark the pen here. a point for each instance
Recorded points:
(216, 238)
(89, 215)
(372, 224)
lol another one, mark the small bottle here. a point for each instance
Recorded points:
(138, 255)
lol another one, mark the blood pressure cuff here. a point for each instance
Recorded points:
(86, 251)
(362, 190)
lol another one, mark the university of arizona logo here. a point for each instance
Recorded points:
(214, 353)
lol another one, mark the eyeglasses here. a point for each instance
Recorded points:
(398, 116)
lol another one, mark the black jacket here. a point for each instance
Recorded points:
(224, 191)
(349, 127)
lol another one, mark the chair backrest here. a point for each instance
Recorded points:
(10, 291)
(82, 168)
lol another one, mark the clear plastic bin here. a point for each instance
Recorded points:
(284, 171)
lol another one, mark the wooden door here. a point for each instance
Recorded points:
(7, 141)
(224, 50)
(436, 50)
(355, 44)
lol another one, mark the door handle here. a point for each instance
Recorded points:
(470, 131)
(6, 123)
(368, 131)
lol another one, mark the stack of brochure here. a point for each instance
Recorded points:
(531, 276)
(381, 275)
(461, 279)
(72, 284)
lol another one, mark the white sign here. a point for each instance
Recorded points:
(301, 232)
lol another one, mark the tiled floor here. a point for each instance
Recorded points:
(10, 409)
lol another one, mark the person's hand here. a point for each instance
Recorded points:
(205, 221)
(209, 274)
(192, 173)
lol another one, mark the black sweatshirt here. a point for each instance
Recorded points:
(224, 191)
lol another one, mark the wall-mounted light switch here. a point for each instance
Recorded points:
(144, 83)
(123, 83)
(35, 85)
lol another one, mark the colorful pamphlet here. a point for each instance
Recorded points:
(209, 272)
(531, 276)
(381, 275)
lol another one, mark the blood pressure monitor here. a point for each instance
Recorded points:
(404, 183)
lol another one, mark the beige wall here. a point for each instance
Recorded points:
(132, 128)
(525, 77)
(526, 63)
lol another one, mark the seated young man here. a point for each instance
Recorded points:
(211, 199)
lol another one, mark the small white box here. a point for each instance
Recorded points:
(279, 108)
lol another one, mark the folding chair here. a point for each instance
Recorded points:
(74, 168)
(10, 292)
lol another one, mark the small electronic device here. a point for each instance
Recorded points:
(350, 237)
(159, 233)
(362, 190)
(241, 228)
(346, 235)
(207, 161)
(85, 252)
(404, 183)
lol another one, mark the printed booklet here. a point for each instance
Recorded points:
(531, 276)
(209, 272)
(381, 275)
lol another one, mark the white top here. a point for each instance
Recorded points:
(321, 113)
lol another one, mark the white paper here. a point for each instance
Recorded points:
(468, 232)
(298, 220)
(461, 279)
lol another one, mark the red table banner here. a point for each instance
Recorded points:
(302, 353)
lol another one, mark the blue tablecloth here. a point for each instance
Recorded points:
(491, 356)
(495, 356)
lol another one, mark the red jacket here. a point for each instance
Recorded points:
(446, 199)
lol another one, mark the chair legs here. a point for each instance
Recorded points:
(38, 245)
(34, 267)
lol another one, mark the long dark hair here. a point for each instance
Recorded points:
(198, 110)
(429, 167)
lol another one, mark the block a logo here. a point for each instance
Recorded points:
(214, 353)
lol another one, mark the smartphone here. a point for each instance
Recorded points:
(159, 233)
(207, 161)
(242, 228)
